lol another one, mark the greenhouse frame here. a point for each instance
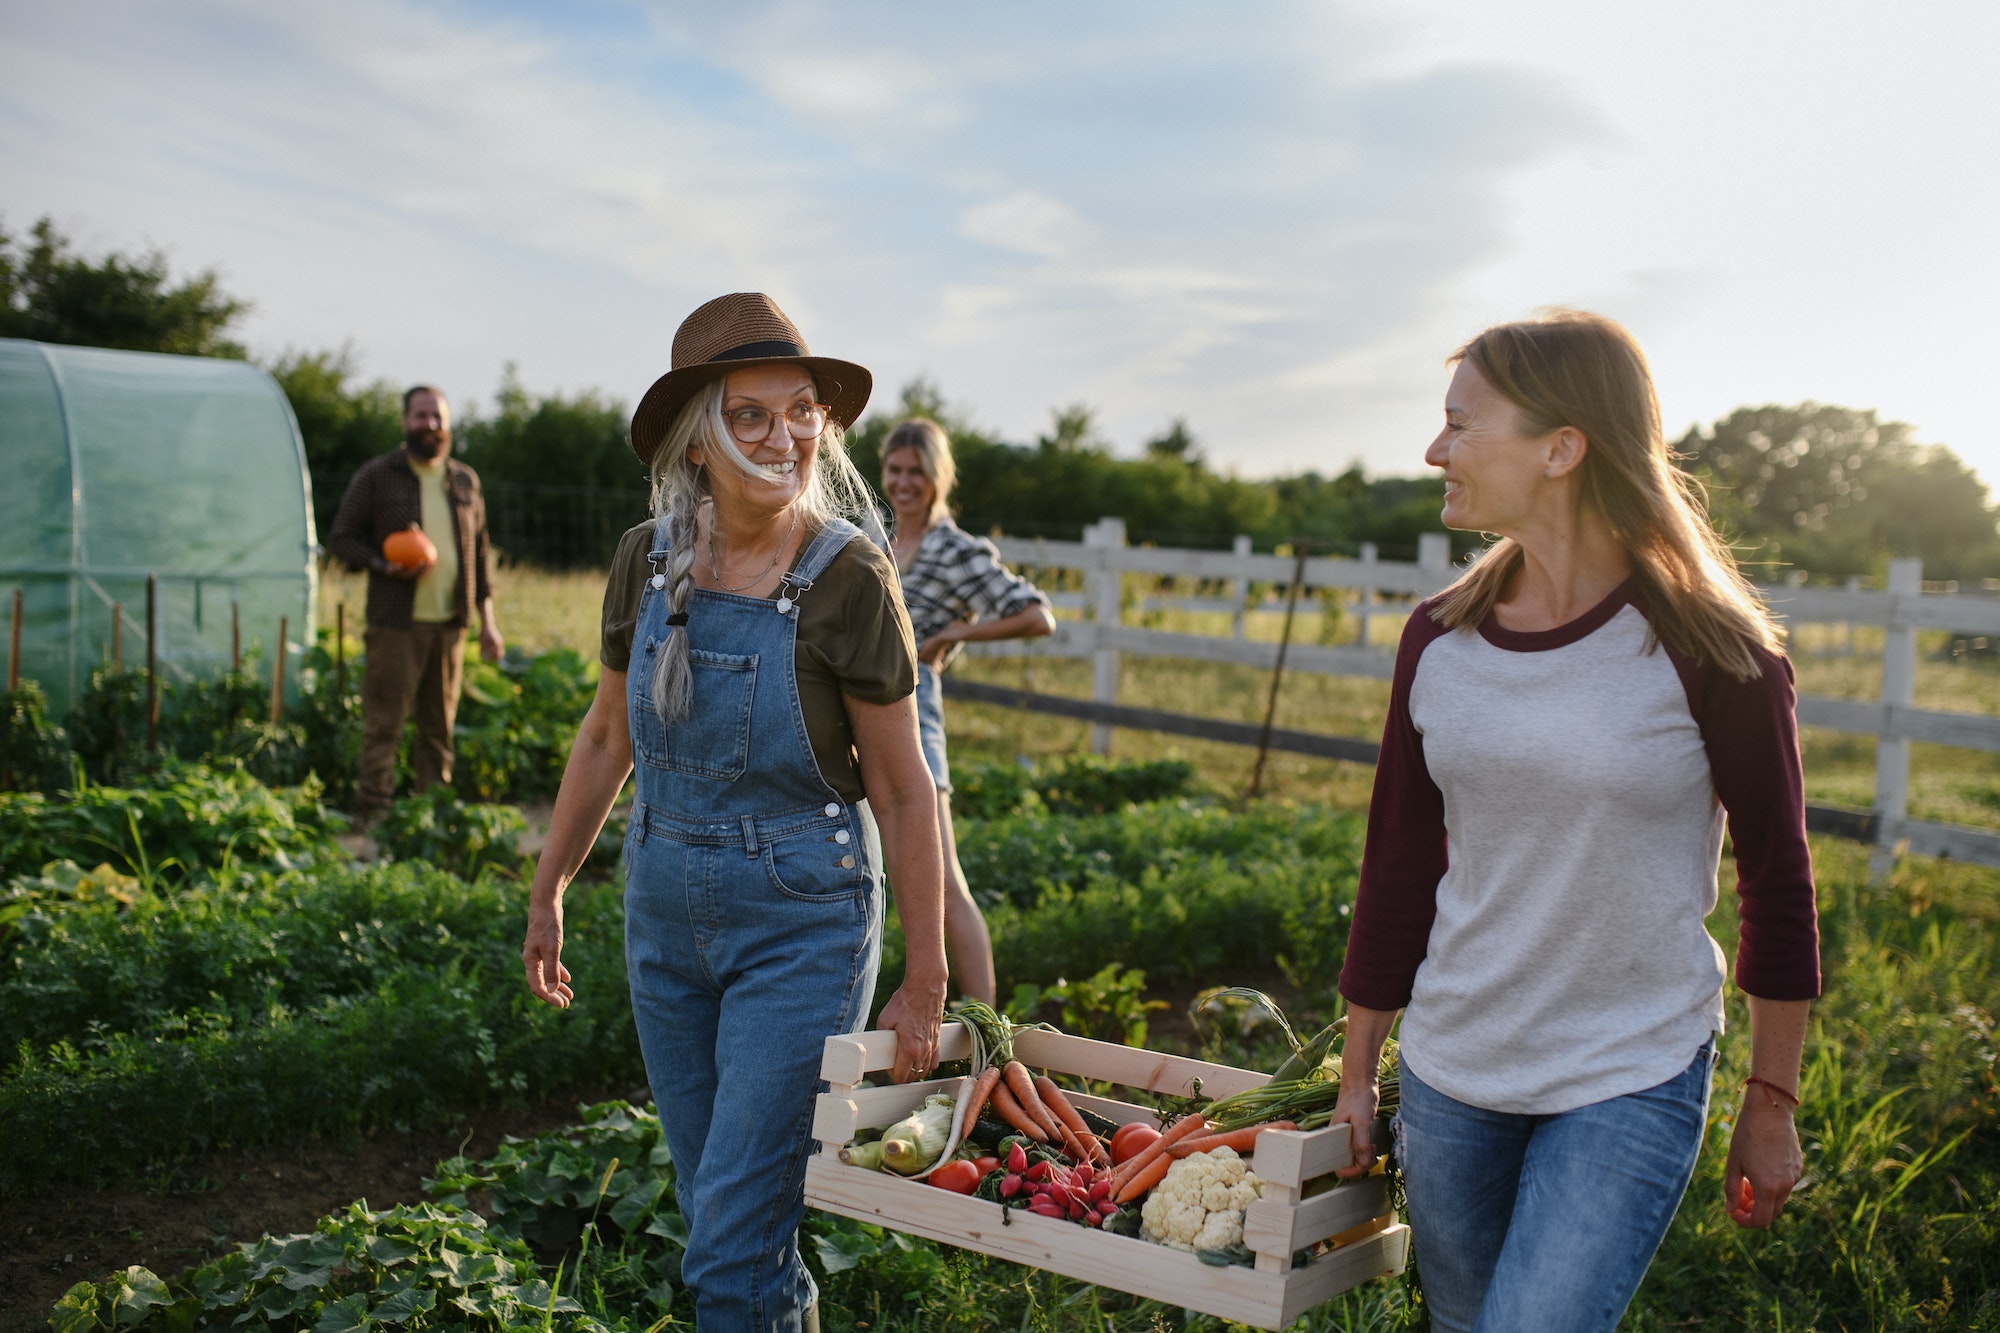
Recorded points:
(120, 465)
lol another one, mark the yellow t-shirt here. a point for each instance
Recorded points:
(437, 591)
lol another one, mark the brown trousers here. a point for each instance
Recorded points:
(418, 665)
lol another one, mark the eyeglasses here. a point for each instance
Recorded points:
(752, 425)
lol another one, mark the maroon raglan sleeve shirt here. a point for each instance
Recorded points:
(1542, 847)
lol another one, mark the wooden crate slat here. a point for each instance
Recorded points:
(1285, 1228)
(837, 1116)
(1102, 1061)
(1347, 1267)
(1291, 1157)
(851, 1057)
(1120, 1113)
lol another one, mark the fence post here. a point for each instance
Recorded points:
(1106, 609)
(1899, 689)
(1847, 626)
(14, 646)
(278, 671)
(1364, 596)
(152, 665)
(1239, 588)
(1433, 552)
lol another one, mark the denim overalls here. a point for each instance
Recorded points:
(753, 917)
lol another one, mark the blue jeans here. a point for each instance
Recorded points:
(930, 724)
(1545, 1222)
(740, 966)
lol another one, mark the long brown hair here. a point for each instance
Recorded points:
(1571, 368)
(934, 458)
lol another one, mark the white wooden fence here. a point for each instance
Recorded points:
(1104, 559)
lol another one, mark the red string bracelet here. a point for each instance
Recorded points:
(1769, 1088)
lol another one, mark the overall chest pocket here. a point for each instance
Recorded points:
(713, 740)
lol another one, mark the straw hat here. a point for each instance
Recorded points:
(729, 333)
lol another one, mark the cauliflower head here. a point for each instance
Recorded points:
(1199, 1206)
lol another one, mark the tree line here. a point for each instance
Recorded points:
(1833, 491)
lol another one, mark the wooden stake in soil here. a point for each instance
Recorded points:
(14, 647)
(117, 637)
(340, 651)
(235, 638)
(1277, 673)
(152, 677)
(278, 671)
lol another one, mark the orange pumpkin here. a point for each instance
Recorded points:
(409, 547)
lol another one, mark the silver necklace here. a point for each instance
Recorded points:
(716, 573)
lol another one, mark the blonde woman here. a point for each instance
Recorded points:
(957, 592)
(758, 664)
(1573, 725)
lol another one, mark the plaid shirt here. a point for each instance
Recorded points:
(956, 576)
(384, 497)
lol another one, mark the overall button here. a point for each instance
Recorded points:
(831, 809)
(847, 863)
(841, 837)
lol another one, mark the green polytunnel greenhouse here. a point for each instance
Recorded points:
(119, 465)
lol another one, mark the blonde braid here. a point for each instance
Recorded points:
(673, 682)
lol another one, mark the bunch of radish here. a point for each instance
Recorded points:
(1078, 1193)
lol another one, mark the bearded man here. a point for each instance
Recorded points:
(417, 612)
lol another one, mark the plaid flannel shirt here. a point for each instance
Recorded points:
(956, 576)
(384, 497)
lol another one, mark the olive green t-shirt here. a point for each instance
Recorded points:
(853, 638)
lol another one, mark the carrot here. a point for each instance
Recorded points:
(1022, 1086)
(1242, 1140)
(1073, 1145)
(982, 1087)
(1143, 1179)
(1010, 1111)
(1157, 1149)
(1053, 1098)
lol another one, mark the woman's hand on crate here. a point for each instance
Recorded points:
(915, 1013)
(1360, 1061)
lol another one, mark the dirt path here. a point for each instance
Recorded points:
(51, 1240)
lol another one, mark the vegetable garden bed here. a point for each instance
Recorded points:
(1356, 1216)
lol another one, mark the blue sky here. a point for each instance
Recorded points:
(1273, 219)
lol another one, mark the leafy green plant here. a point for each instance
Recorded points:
(190, 818)
(465, 837)
(516, 722)
(269, 1005)
(413, 1266)
(1109, 1006)
(1087, 785)
(34, 752)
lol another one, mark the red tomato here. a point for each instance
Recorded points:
(960, 1177)
(985, 1165)
(1131, 1140)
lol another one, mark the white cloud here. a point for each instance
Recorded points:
(1025, 222)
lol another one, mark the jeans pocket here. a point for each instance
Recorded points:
(813, 868)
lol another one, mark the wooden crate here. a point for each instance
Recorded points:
(1271, 1295)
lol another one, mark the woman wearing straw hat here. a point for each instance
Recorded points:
(759, 667)
(1572, 726)
(957, 592)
